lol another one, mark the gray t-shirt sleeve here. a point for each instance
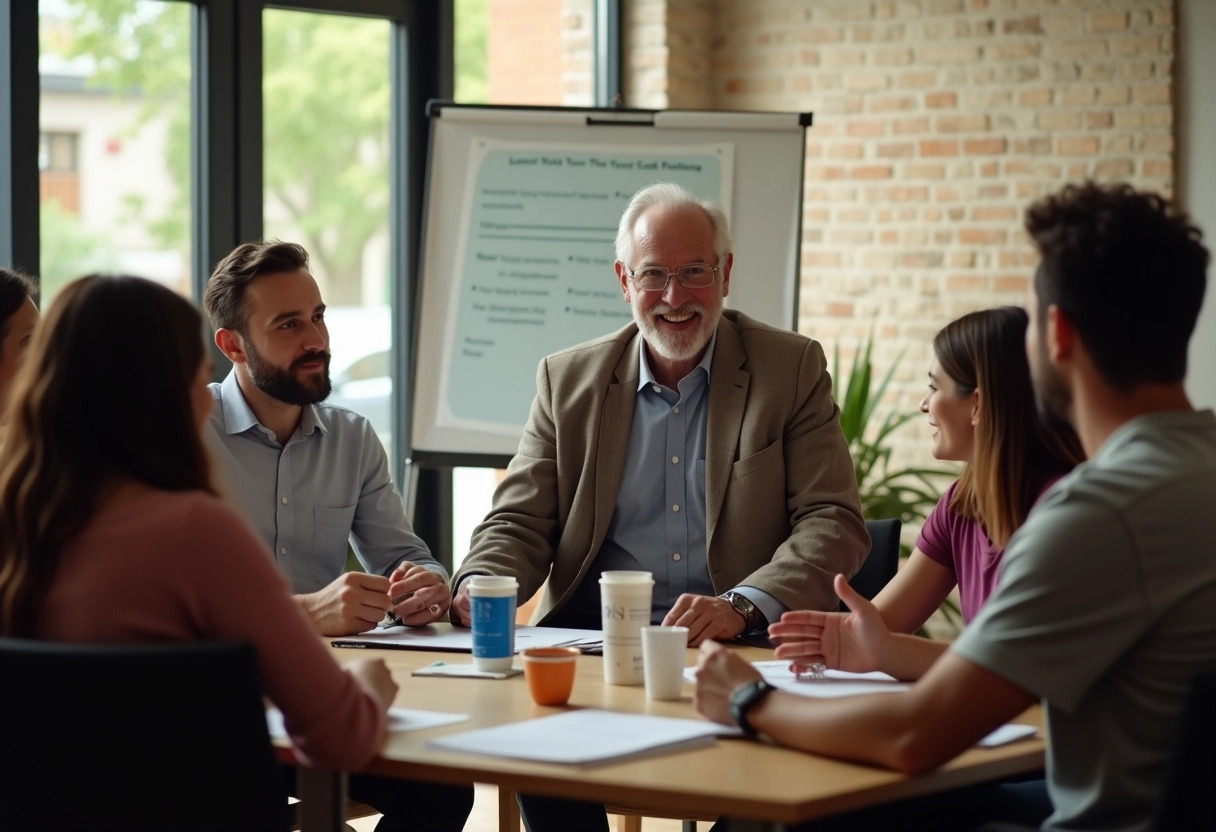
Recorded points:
(1069, 601)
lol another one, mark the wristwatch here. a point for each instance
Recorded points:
(753, 619)
(743, 698)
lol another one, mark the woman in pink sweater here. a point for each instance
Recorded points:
(110, 528)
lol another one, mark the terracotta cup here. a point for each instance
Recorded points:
(550, 673)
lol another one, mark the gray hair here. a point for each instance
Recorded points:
(669, 195)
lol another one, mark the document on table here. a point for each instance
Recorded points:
(399, 719)
(842, 683)
(460, 640)
(583, 737)
(834, 682)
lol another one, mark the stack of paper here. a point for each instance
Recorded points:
(583, 736)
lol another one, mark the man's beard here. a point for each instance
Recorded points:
(677, 346)
(282, 384)
(1052, 397)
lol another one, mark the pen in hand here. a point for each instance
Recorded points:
(390, 616)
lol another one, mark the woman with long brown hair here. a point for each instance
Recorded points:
(981, 408)
(110, 529)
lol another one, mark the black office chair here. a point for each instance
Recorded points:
(882, 562)
(1188, 796)
(164, 737)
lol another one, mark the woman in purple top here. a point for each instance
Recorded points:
(981, 408)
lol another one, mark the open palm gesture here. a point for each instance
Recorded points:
(855, 641)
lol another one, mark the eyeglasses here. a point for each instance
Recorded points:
(692, 276)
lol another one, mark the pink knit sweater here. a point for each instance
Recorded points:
(183, 566)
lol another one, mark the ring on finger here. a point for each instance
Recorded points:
(434, 608)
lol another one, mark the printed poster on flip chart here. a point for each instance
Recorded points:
(535, 253)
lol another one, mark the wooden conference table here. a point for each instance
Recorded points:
(757, 786)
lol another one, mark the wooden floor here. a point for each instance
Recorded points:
(484, 817)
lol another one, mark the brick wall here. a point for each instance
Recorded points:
(540, 52)
(936, 122)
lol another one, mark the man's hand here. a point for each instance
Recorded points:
(856, 641)
(719, 672)
(353, 603)
(460, 603)
(705, 617)
(420, 595)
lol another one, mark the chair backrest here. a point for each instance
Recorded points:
(135, 737)
(883, 560)
(1188, 796)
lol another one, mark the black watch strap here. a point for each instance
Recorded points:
(744, 698)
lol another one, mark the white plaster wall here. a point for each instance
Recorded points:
(1196, 99)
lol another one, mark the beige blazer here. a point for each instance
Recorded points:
(782, 510)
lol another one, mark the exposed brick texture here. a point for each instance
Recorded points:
(936, 123)
(540, 52)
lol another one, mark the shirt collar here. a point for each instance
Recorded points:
(646, 376)
(239, 417)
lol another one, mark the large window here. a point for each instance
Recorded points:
(325, 162)
(515, 52)
(113, 149)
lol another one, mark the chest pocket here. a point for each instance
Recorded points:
(330, 532)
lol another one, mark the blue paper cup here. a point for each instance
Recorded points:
(492, 605)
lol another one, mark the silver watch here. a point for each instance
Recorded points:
(744, 606)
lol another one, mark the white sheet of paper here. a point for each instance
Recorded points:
(399, 719)
(1007, 733)
(835, 682)
(461, 640)
(583, 736)
(842, 683)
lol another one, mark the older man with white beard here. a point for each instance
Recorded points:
(696, 444)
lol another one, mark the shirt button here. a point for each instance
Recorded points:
(283, 551)
(284, 501)
(675, 409)
(676, 556)
(674, 460)
(656, 388)
(675, 508)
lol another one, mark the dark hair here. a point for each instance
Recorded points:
(1128, 270)
(224, 299)
(1015, 452)
(15, 288)
(78, 419)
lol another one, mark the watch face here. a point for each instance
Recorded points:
(742, 603)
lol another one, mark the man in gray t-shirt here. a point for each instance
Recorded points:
(1110, 642)
(1105, 608)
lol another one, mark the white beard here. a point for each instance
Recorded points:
(677, 346)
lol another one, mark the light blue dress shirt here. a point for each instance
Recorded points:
(329, 483)
(658, 523)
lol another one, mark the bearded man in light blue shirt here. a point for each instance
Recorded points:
(309, 476)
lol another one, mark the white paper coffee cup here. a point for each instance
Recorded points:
(663, 650)
(625, 602)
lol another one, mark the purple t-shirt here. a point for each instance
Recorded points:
(961, 545)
